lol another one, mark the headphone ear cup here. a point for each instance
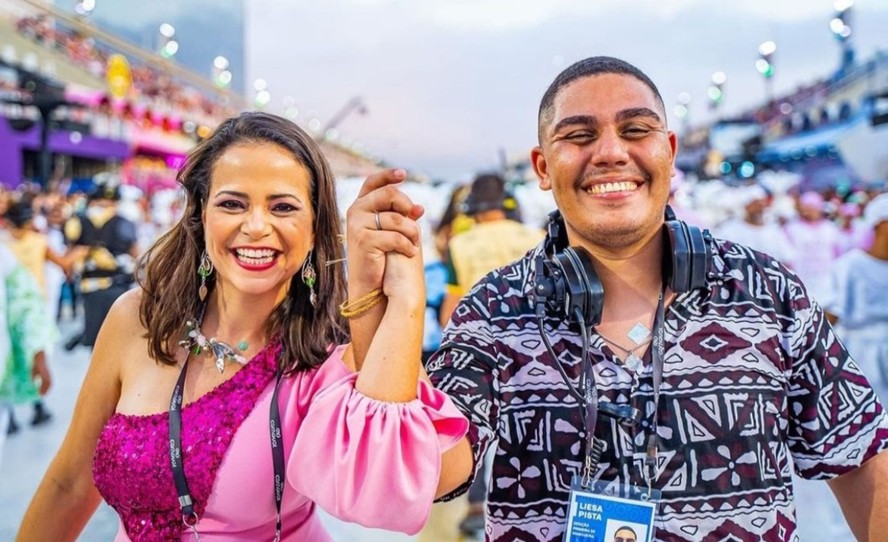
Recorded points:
(700, 257)
(584, 292)
(675, 256)
(686, 259)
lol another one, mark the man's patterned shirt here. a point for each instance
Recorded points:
(755, 384)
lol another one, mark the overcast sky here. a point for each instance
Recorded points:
(448, 83)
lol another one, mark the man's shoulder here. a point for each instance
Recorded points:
(738, 256)
(740, 273)
(504, 293)
(510, 279)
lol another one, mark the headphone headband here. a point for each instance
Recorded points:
(566, 281)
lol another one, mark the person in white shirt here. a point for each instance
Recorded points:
(755, 229)
(857, 303)
(853, 232)
(815, 241)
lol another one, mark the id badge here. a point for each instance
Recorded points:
(609, 512)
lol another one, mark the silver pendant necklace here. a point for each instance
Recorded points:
(631, 360)
(195, 341)
(639, 334)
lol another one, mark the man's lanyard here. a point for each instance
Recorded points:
(658, 354)
(189, 515)
(595, 447)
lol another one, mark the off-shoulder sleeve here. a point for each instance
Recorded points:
(371, 462)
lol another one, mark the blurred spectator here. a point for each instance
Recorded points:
(815, 242)
(30, 246)
(853, 233)
(756, 229)
(436, 274)
(494, 241)
(32, 251)
(857, 302)
(25, 376)
(110, 240)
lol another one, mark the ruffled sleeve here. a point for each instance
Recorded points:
(370, 462)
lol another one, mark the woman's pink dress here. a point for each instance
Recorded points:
(362, 460)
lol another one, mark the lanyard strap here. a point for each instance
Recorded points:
(186, 503)
(277, 454)
(189, 516)
(658, 354)
(588, 395)
(595, 447)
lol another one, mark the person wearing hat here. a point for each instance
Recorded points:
(816, 243)
(853, 232)
(110, 243)
(755, 229)
(494, 241)
(858, 299)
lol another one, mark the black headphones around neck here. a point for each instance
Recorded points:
(567, 285)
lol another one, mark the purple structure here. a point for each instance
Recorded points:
(13, 143)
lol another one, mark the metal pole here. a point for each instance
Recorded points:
(45, 164)
(769, 90)
(351, 105)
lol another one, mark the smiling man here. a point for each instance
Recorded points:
(710, 392)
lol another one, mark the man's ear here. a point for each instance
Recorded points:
(540, 167)
(673, 144)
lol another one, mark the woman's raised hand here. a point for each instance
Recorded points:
(382, 220)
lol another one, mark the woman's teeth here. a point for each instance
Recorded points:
(255, 257)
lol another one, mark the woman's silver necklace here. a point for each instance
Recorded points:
(195, 341)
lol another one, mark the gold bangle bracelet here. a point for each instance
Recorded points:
(357, 307)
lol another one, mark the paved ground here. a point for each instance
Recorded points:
(27, 454)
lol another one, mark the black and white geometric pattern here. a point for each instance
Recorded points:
(755, 385)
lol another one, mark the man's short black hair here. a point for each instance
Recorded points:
(596, 65)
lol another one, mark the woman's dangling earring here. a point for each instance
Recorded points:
(205, 269)
(309, 278)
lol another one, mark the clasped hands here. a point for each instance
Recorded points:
(384, 241)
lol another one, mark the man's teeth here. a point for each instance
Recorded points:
(255, 256)
(607, 188)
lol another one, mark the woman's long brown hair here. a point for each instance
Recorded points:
(168, 275)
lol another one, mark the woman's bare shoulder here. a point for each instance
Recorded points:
(122, 324)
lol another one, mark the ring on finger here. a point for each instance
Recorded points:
(378, 224)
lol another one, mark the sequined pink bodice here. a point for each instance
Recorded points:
(131, 466)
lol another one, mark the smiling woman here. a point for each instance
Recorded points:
(239, 327)
(258, 220)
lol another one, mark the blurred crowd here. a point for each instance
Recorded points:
(149, 85)
(836, 241)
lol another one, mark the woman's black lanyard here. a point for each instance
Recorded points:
(189, 515)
